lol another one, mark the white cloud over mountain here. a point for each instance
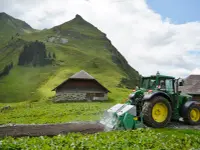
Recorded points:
(148, 42)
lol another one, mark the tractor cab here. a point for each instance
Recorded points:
(159, 83)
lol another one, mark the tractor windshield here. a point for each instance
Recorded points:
(148, 83)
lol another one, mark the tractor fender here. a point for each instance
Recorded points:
(184, 108)
(159, 93)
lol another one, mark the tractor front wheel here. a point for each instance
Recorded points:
(193, 115)
(157, 112)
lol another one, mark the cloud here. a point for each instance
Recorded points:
(196, 71)
(149, 42)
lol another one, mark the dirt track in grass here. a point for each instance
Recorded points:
(49, 129)
(55, 129)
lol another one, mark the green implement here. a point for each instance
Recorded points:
(155, 103)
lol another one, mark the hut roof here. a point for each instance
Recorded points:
(83, 75)
(191, 85)
(192, 79)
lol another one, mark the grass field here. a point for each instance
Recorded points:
(140, 139)
(44, 111)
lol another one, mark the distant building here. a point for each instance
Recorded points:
(191, 86)
(80, 87)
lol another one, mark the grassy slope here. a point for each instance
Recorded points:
(10, 52)
(69, 61)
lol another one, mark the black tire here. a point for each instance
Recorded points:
(147, 112)
(188, 119)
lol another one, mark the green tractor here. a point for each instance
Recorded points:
(155, 103)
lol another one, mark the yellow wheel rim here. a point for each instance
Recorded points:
(159, 112)
(195, 114)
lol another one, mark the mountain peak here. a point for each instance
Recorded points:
(78, 16)
(78, 20)
(9, 26)
(3, 14)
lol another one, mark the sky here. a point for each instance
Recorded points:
(180, 11)
(153, 35)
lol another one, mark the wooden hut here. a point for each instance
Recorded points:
(80, 87)
(191, 86)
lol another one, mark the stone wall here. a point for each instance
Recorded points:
(65, 96)
(101, 98)
(62, 97)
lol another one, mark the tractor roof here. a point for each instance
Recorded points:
(160, 76)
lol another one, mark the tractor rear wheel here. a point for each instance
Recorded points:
(193, 115)
(157, 112)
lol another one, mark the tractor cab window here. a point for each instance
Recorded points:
(145, 83)
(162, 84)
(152, 84)
(169, 85)
(148, 83)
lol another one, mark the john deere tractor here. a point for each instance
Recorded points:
(155, 103)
